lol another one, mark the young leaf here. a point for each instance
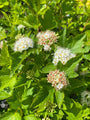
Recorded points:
(59, 98)
(2, 34)
(7, 81)
(70, 71)
(4, 94)
(5, 57)
(11, 116)
(31, 117)
(77, 48)
(48, 68)
(87, 56)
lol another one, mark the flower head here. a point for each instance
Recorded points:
(85, 98)
(62, 55)
(23, 43)
(20, 26)
(57, 79)
(47, 48)
(46, 39)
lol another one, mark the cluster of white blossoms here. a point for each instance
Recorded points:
(85, 98)
(62, 55)
(23, 43)
(57, 79)
(46, 39)
(20, 26)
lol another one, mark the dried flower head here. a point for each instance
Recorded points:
(46, 39)
(57, 79)
(23, 43)
(85, 98)
(62, 55)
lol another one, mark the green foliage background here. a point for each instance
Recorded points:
(23, 76)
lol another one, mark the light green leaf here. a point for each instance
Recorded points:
(71, 116)
(7, 17)
(88, 35)
(77, 48)
(3, 3)
(7, 81)
(37, 74)
(86, 112)
(87, 56)
(30, 117)
(2, 33)
(48, 68)
(59, 98)
(4, 94)
(5, 58)
(70, 71)
(51, 95)
(11, 116)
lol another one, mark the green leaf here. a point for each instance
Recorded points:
(5, 58)
(14, 104)
(3, 3)
(51, 95)
(5, 94)
(59, 98)
(71, 116)
(31, 21)
(37, 74)
(43, 1)
(86, 112)
(48, 68)
(88, 35)
(22, 57)
(87, 56)
(70, 71)
(7, 81)
(78, 47)
(2, 33)
(40, 96)
(30, 117)
(76, 83)
(47, 21)
(11, 116)
(7, 17)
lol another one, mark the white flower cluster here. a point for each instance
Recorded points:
(62, 55)
(46, 39)
(57, 79)
(20, 26)
(85, 98)
(23, 43)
